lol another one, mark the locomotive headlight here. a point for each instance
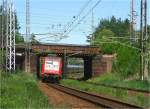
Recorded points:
(19, 54)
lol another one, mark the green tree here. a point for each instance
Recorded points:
(111, 35)
(102, 35)
(119, 27)
(33, 40)
(19, 38)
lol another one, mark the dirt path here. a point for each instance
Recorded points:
(60, 99)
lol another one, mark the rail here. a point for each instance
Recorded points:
(93, 98)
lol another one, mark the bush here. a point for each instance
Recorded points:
(127, 60)
(20, 90)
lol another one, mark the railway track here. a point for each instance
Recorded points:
(95, 99)
(117, 87)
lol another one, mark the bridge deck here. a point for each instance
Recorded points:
(69, 49)
(61, 48)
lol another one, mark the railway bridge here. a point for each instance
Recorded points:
(94, 62)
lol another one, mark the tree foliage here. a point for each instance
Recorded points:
(33, 40)
(119, 27)
(19, 38)
(111, 35)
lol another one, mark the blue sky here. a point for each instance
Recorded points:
(51, 16)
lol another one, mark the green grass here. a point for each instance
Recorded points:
(115, 80)
(138, 99)
(20, 90)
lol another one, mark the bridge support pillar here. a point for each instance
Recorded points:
(87, 67)
(64, 67)
(102, 64)
(38, 66)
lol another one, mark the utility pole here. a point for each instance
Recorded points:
(146, 69)
(28, 40)
(92, 26)
(92, 22)
(133, 37)
(10, 37)
(144, 37)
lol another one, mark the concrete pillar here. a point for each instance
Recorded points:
(33, 63)
(87, 67)
(38, 67)
(102, 64)
(64, 62)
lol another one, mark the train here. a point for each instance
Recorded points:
(51, 69)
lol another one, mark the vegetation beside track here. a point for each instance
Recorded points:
(113, 37)
(138, 99)
(20, 90)
(116, 80)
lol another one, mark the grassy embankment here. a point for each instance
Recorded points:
(138, 99)
(115, 80)
(20, 90)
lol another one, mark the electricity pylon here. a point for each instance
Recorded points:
(10, 36)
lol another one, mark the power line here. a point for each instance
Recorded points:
(76, 17)
(52, 21)
(87, 3)
(37, 13)
(84, 17)
(123, 44)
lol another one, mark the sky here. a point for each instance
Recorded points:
(52, 16)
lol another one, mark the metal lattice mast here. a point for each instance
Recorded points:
(27, 50)
(144, 37)
(133, 37)
(10, 37)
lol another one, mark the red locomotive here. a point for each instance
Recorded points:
(52, 69)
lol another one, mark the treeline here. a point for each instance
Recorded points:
(19, 38)
(113, 37)
(114, 29)
(119, 28)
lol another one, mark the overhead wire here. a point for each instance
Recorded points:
(76, 18)
(79, 14)
(96, 4)
(123, 44)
